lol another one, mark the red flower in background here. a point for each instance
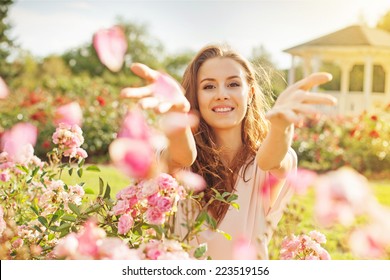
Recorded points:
(101, 100)
(32, 99)
(39, 116)
(374, 118)
(374, 134)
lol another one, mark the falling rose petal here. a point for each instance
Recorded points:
(191, 180)
(301, 180)
(243, 249)
(174, 122)
(167, 89)
(3, 89)
(70, 113)
(135, 126)
(133, 157)
(340, 196)
(365, 244)
(111, 46)
(18, 142)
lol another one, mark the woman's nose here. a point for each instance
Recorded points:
(222, 94)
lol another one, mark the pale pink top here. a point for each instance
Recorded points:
(255, 219)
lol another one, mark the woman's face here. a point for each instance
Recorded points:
(223, 93)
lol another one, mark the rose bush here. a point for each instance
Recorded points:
(42, 217)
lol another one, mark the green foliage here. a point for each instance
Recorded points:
(6, 42)
(384, 22)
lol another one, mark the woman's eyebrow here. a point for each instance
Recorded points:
(228, 78)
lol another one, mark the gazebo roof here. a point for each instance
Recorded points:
(351, 36)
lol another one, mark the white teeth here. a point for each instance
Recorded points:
(222, 110)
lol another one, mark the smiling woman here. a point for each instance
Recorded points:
(240, 146)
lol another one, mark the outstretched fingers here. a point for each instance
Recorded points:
(144, 72)
(139, 92)
(312, 80)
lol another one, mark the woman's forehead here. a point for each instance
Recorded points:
(220, 67)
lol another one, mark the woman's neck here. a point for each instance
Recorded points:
(230, 142)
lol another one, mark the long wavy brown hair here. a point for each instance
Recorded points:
(254, 129)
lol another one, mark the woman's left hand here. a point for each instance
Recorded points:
(296, 102)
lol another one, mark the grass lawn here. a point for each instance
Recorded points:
(302, 206)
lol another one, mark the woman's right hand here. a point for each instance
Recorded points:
(163, 94)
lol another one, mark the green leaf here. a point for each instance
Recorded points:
(211, 221)
(200, 251)
(81, 162)
(63, 226)
(43, 221)
(35, 171)
(89, 191)
(101, 186)
(232, 197)
(68, 218)
(56, 216)
(74, 208)
(235, 205)
(80, 172)
(93, 208)
(226, 235)
(34, 208)
(37, 228)
(93, 168)
(107, 192)
(70, 171)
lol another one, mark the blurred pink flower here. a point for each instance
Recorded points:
(125, 224)
(340, 196)
(191, 180)
(243, 249)
(67, 246)
(135, 126)
(116, 249)
(70, 114)
(133, 157)
(111, 46)
(18, 141)
(4, 176)
(166, 89)
(3, 89)
(366, 243)
(89, 239)
(301, 180)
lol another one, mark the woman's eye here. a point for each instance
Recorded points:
(208, 87)
(234, 84)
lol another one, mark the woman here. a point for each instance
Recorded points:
(239, 143)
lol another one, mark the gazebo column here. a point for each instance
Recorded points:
(315, 66)
(291, 71)
(306, 66)
(344, 85)
(368, 74)
(387, 82)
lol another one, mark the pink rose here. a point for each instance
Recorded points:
(154, 216)
(125, 224)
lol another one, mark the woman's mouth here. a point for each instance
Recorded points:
(224, 109)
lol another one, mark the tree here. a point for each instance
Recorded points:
(6, 44)
(176, 64)
(384, 22)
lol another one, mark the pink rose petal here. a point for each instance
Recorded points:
(70, 114)
(111, 46)
(3, 89)
(167, 89)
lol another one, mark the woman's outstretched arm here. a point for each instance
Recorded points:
(291, 107)
(181, 151)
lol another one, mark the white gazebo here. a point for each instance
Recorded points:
(346, 48)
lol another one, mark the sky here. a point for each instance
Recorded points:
(52, 26)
